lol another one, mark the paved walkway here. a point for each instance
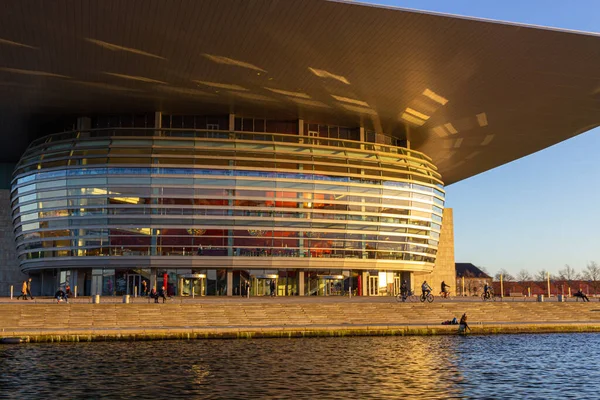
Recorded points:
(44, 320)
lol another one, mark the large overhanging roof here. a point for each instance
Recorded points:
(472, 94)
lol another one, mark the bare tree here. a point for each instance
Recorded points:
(523, 276)
(568, 274)
(592, 273)
(541, 275)
(506, 276)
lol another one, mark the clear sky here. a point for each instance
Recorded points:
(539, 212)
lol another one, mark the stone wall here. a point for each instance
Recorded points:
(10, 274)
(445, 268)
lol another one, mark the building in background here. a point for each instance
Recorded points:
(262, 144)
(470, 280)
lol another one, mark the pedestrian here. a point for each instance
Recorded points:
(154, 295)
(581, 295)
(23, 291)
(248, 289)
(161, 293)
(29, 288)
(462, 325)
(272, 287)
(144, 287)
(60, 295)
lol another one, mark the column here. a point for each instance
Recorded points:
(365, 283)
(231, 122)
(229, 283)
(158, 120)
(301, 282)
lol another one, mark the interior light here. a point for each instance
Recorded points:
(32, 72)
(135, 78)
(218, 85)
(351, 101)
(288, 93)
(231, 61)
(482, 119)
(435, 97)
(417, 113)
(487, 140)
(451, 128)
(11, 43)
(412, 119)
(321, 73)
(440, 131)
(115, 47)
(458, 142)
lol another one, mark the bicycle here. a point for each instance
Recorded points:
(410, 297)
(488, 296)
(444, 295)
(428, 297)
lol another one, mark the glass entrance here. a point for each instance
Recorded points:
(192, 285)
(261, 285)
(373, 286)
(134, 284)
(331, 285)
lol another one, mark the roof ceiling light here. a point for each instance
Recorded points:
(351, 101)
(360, 110)
(299, 95)
(115, 47)
(451, 128)
(135, 78)
(11, 43)
(487, 140)
(458, 142)
(309, 103)
(228, 86)
(32, 72)
(252, 96)
(482, 119)
(321, 73)
(231, 61)
(440, 131)
(185, 91)
(107, 86)
(417, 114)
(435, 97)
(412, 119)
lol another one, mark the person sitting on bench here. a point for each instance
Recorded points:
(582, 295)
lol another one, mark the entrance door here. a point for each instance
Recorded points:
(134, 284)
(373, 286)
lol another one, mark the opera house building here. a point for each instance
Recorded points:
(219, 147)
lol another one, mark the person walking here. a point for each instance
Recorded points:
(144, 287)
(272, 287)
(23, 291)
(248, 289)
(29, 288)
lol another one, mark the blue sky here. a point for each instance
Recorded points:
(539, 212)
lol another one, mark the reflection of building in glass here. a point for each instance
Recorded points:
(115, 207)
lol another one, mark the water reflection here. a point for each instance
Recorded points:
(372, 367)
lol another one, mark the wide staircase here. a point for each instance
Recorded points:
(273, 314)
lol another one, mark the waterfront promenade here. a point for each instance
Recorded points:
(43, 320)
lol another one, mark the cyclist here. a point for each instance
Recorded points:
(425, 288)
(486, 291)
(445, 292)
(404, 290)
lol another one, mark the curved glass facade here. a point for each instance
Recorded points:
(191, 198)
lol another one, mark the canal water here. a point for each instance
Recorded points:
(502, 366)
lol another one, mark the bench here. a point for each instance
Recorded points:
(516, 294)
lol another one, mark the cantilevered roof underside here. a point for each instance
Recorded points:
(471, 94)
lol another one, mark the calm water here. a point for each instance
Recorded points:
(515, 366)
